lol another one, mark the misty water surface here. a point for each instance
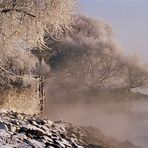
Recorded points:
(122, 120)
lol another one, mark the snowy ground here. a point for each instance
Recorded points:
(26, 131)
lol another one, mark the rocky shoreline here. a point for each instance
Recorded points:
(18, 130)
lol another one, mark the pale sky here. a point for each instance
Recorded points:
(129, 19)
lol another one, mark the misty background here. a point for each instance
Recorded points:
(117, 113)
(128, 18)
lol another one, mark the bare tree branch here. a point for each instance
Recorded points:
(17, 10)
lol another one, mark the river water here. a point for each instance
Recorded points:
(126, 120)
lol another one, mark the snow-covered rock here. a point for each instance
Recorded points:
(25, 131)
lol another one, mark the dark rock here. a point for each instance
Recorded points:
(29, 135)
(47, 138)
(14, 114)
(74, 145)
(29, 143)
(63, 136)
(15, 122)
(23, 129)
(3, 126)
(9, 125)
(48, 145)
(35, 132)
(59, 143)
(40, 121)
(55, 135)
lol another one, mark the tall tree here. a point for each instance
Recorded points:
(24, 23)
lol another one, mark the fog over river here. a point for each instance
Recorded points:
(126, 120)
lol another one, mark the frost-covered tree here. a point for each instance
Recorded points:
(135, 72)
(24, 23)
(90, 56)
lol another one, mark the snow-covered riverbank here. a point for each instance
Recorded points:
(25, 131)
